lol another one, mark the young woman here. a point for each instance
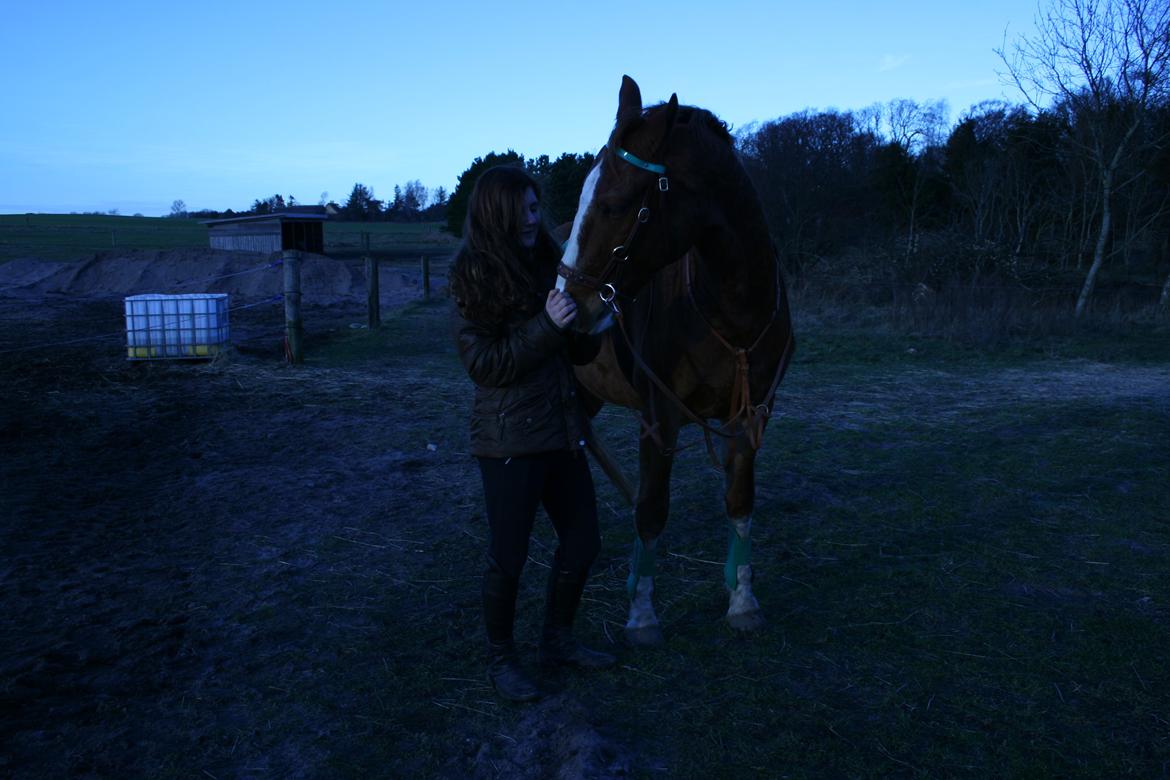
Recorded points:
(528, 426)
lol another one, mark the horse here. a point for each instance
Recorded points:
(670, 257)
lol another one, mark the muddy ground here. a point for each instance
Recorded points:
(191, 550)
(238, 568)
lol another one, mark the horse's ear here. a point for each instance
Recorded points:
(671, 109)
(629, 101)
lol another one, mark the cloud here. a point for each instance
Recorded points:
(892, 62)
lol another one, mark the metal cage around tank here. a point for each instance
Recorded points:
(168, 327)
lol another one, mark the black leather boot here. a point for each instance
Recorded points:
(504, 671)
(557, 645)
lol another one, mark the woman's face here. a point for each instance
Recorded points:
(529, 219)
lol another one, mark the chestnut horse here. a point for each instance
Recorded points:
(670, 255)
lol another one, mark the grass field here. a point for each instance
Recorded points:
(242, 568)
(71, 236)
(963, 557)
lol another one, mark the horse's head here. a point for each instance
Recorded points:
(637, 212)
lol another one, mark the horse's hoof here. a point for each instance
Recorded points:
(746, 621)
(644, 636)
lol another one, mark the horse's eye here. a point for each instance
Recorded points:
(610, 209)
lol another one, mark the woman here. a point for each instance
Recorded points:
(528, 427)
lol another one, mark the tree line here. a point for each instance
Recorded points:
(1067, 190)
(412, 202)
(1004, 195)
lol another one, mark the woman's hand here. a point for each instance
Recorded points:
(560, 307)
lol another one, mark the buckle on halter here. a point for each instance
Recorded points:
(610, 300)
(663, 184)
(643, 215)
(619, 253)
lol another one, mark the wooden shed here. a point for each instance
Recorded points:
(296, 228)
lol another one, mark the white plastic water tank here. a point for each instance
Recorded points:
(160, 327)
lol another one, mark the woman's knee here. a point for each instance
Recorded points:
(510, 563)
(580, 554)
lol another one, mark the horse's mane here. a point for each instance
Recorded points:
(716, 145)
(687, 114)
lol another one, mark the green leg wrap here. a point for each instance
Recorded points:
(739, 553)
(641, 565)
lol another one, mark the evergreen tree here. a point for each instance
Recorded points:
(457, 205)
(361, 205)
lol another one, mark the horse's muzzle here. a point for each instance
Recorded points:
(593, 314)
(603, 323)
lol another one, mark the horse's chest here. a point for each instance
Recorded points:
(604, 378)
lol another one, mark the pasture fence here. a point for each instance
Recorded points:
(292, 296)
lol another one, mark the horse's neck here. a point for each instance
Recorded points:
(734, 280)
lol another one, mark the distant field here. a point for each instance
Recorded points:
(70, 236)
(389, 239)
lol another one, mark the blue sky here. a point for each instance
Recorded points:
(131, 105)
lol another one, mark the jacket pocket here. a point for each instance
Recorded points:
(525, 413)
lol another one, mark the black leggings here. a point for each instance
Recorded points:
(514, 487)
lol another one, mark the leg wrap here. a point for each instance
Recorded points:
(739, 553)
(641, 564)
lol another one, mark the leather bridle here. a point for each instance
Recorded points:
(607, 281)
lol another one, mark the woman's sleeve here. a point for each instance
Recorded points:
(498, 357)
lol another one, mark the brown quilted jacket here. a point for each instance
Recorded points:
(526, 395)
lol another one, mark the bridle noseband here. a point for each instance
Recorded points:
(605, 284)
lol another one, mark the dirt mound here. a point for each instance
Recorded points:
(243, 275)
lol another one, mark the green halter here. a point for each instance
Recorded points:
(640, 163)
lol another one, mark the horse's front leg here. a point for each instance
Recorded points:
(650, 512)
(743, 611)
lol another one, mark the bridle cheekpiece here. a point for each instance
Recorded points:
(604, 282)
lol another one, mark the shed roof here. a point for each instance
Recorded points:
(277, 215)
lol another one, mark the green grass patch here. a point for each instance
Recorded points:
(406, 242)
(1144, 341)
(963, 576)
(412, 332)
(72, 236)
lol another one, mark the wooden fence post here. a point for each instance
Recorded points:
(373, 298)
(426, 278)
(293, 329)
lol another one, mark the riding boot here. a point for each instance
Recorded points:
(557, 645)
(504, 671)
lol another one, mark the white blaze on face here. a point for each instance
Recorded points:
(570, 257)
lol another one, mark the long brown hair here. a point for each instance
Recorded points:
(494, 274)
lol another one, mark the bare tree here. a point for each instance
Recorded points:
(919, 129)
(414, 198)
(1107, 62)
